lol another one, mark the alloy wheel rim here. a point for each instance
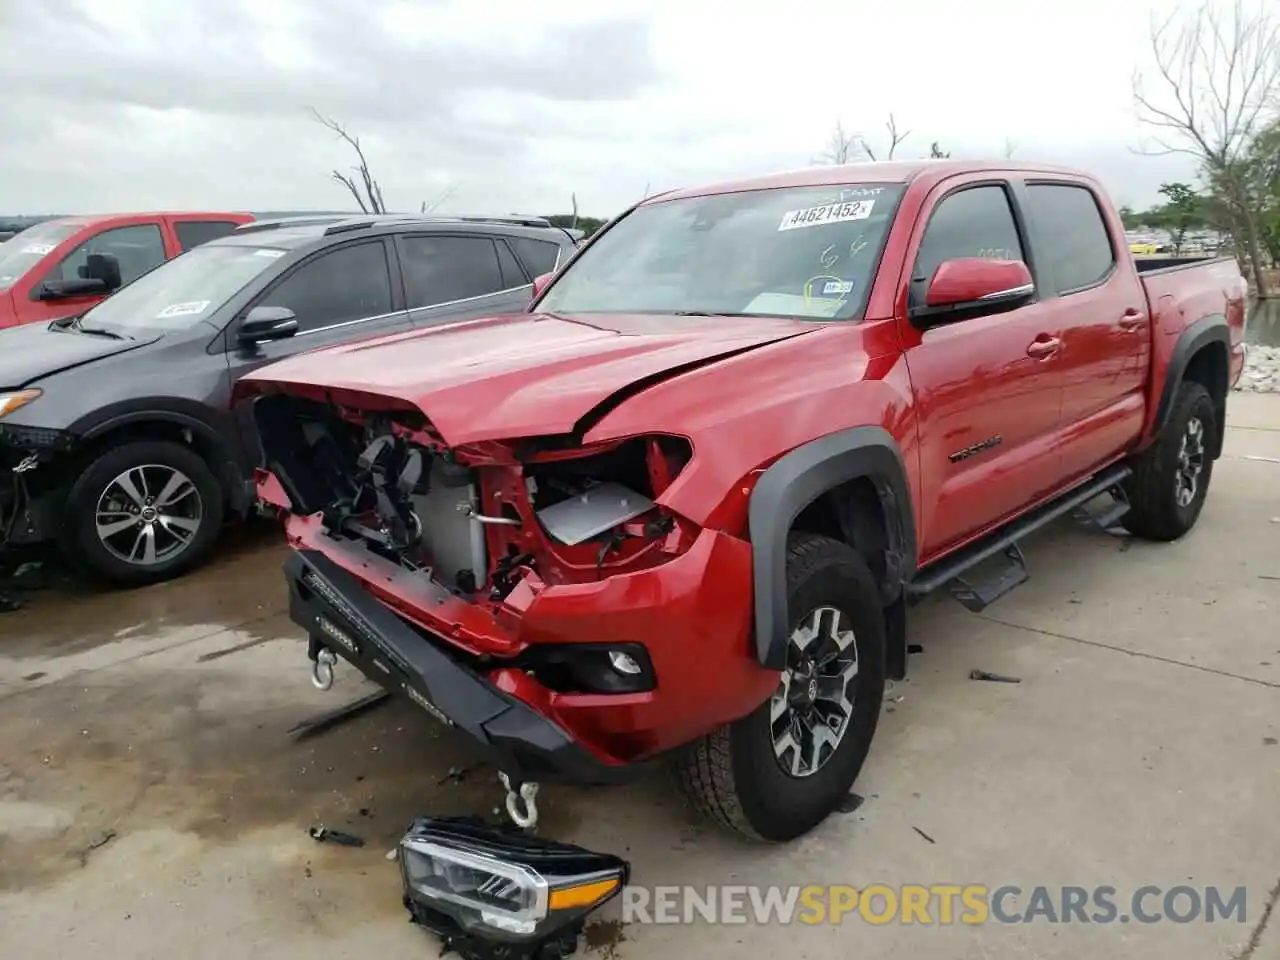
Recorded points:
(1190, 463)
(148, 514)
(812, 709)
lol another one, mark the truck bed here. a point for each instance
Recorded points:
(1179, 288)
(1160, 264)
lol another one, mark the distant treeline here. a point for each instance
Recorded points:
(12, 224)
(588, 225)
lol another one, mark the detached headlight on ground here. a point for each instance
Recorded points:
(462, 876)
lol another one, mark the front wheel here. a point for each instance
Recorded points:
(781, 770)
(142, 512)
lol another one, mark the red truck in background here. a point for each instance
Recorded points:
(680, 508)
(63, 267)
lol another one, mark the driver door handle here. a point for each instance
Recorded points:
(1042, 348)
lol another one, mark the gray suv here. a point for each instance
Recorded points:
(116, 436)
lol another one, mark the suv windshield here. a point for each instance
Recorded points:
(23, 251)
(182, 292)
(808, 253)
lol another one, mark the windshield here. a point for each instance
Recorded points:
(181, 293)
(807, 252)
(23, 251)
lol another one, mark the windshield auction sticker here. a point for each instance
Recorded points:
(827, 213)
(183, 309)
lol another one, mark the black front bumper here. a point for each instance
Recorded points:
(393, 654)
(32, 488)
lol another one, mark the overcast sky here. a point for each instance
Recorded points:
(144, 104)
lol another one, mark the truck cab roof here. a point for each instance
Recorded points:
(885, 171)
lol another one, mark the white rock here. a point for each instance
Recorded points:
(1261, 370)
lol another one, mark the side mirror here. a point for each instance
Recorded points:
(972, 287)
(104, 267)
(540, 284)
(65, 289)
(267, 323)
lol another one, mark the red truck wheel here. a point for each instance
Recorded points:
(778, 772)
(1171, 477)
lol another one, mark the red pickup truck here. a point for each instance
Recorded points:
(682, 505)
(62, 267)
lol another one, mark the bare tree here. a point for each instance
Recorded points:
(370, 197)
(429, 206)
(1010, 147)
(895, 138)
(841, 147)
(574, 197)
(1217, 85)
(845, 147)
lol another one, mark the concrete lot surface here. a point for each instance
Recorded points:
(1139, 749)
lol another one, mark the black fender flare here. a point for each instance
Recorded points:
(1206, 330)
(792, 483)
(224, 450)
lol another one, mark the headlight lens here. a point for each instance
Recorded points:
(15, 399)
(492, 883)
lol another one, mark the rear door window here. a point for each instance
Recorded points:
(513, 275)
(340, 286)
(439, 270)
(138, 249)
(538, 256)
(1072, 238)
(192, 233)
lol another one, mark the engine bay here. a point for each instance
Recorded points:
(480, 519)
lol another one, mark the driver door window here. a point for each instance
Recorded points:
(976, 222)
(138, 249)
(342, 286)
(340, 296)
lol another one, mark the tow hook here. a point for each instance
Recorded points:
(522, 806)
(322, 669)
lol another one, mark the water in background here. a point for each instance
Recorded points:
(1263, 322)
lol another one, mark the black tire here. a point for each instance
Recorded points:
(1156, 512)
(80, 539)
(733, 775)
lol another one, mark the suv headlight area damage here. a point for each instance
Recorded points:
(545, 568)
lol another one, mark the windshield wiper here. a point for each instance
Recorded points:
(99, 332)
(703, 313)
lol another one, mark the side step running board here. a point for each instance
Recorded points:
(948, 570)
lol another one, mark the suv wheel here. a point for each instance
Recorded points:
(143, 512)
(1171, 477)
(778, 772)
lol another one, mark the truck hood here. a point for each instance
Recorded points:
(524, 374)
(37, 350)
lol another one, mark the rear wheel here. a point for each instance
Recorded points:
(1171, 477)
(780, 771)
(142, 512)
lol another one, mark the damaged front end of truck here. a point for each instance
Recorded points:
(531, 592)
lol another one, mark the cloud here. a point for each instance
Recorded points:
(128, 104)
